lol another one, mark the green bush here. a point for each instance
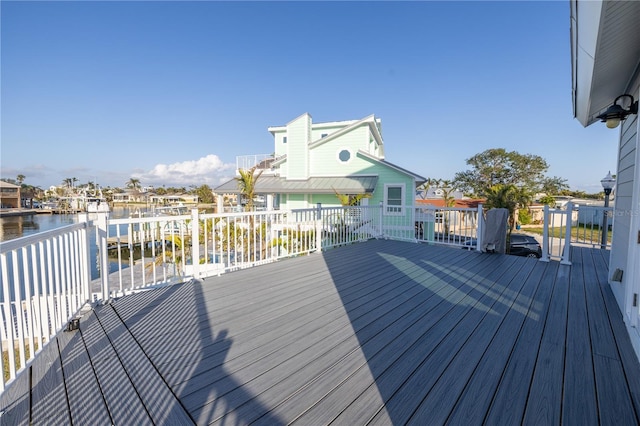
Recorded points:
(524, 217)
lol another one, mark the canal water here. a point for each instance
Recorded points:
(13, 227)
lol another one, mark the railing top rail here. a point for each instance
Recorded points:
(7, 246)
(457, 209)
(148, 219)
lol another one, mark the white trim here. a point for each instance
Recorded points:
(403, 196)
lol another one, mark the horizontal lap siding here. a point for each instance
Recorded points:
(623, 201)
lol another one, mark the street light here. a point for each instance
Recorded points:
(608, 183)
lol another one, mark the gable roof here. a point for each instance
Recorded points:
(369, 120)
(419, 179)
(313, 185)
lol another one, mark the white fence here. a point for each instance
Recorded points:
(46, 278)
(44, 282)
(575, 225)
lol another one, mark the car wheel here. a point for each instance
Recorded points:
(532, 255)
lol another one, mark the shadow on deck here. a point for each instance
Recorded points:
(381, 332)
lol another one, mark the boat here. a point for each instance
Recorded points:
(97, 205)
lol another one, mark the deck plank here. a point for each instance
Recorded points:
(389, 355)
(627, 356)
(544, 403)
(483, 308)
(15, 401)
(48, 388)
(578, 407)
(83, 390)
(518, 330)
(161, 404)
(125, 406)
(295, 378)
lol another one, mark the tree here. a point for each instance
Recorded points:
(20, 179)
(350, 199)
(548, 200)
(428, 184)
(247, 185)
(508, 197)
(204, 193)
(133, 183)
(553, 185)
(498, 166)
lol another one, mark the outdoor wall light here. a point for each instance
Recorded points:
(616, 113)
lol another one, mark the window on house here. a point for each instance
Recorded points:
(284, 139)
(344, 155)
(324, 135)
(394, 198)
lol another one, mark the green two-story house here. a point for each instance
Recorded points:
(314, 161)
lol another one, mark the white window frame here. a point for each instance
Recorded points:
(393, 209)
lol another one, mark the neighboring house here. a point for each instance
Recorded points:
(313, 161)
(174, 199)
(9, 195)
(605, 56)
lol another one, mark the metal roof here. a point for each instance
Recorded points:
(313, 185)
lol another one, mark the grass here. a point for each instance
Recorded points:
(5, 360)
(580, 234)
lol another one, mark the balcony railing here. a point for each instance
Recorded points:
(46, 278)
(575, 225)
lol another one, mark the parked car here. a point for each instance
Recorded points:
(520, 245)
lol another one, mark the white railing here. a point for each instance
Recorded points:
(575, 225)
(261, 161)
(45, 281)
(46, 277)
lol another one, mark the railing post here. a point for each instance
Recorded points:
(566, 251)
(86, 256)
(318, 226)
(480, 228)
(195, 243)
(103, 255)
(382, 220)
(545, 235)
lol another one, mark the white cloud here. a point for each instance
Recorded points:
(209, 170)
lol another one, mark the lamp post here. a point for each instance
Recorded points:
(607, 184)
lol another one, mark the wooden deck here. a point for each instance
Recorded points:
(380, 333)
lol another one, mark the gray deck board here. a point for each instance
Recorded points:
(48, 388)
(15, 401)
(125, 406)
(578, 407)
(506, 404)
(382, 332)
(544, 404)
(83, 390)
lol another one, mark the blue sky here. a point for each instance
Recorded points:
(171, 92)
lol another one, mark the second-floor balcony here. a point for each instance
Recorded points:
(259, 161)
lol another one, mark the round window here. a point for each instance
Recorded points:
(344, 155)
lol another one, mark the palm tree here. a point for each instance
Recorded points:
(247, 185)
(508, 197)
(133, 183)
(20, 179)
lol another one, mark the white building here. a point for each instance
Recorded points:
(605, 57)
